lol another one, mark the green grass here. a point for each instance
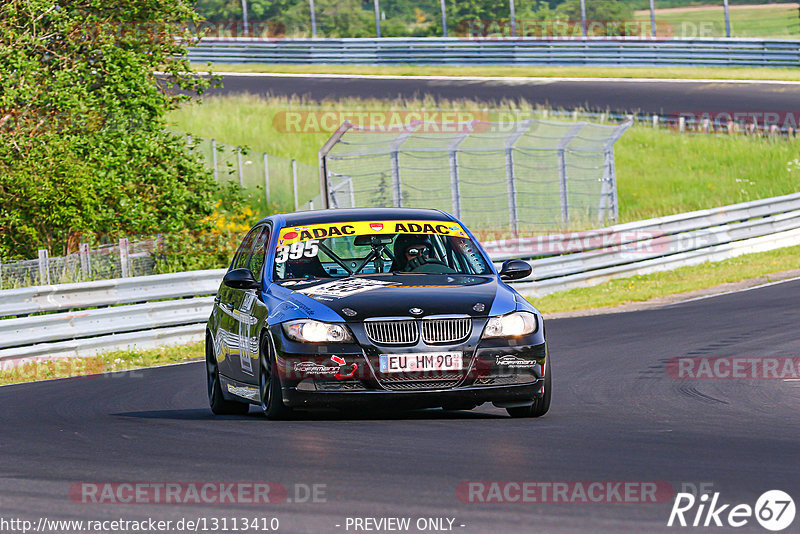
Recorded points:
(646, 287)
(660, 172)
(102, 363)
(771, 21)
(716, 73)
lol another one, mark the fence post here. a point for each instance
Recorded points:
(44, 267)
(214, 159)
(86, 265)
(727, 18)
(522, 127)
(562, 170)
(294, 182)
(562, 185)
(513, 16)
(606, 188)
(313, 19)
(266, 178)
(124, 264)
(444, 18)
(325, 189)
(612, 170)
(239, 158)
(652, 19)
(397, 199)
(455, 189)
(455, 194)
(394, 158)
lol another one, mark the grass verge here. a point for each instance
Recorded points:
(651, 286)
(107, 362)
(666, 73)
(778, 21)
(660, 172)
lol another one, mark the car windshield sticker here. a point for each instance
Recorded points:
(344, 288)
(296, 234)
(297, 250)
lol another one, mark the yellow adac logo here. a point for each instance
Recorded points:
(294, 234)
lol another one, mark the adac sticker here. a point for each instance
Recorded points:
(294, 234)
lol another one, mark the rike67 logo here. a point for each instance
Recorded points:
(774, 510)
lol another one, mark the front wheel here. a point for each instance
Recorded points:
(270, 384)
(219, 405)
(542, 403)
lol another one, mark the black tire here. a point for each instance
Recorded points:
(219, 405)
(270, 384)
(542, 403)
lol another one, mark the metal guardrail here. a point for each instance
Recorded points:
(594, 52)
(623, 234)
(85, 318)
(118, 319)
(655, 245)
(39, 299)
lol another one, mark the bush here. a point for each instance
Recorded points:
(83, 151)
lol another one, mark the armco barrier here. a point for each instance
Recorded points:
(164, 309)
(502, 51)
(621, 234)
(38, 299)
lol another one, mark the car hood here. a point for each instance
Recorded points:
(395, 295)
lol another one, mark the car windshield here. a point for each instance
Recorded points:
(337, 250)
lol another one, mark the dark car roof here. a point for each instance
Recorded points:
(363, 214)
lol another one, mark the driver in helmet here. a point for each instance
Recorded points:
(414, 253)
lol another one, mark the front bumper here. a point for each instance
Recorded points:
(507, 372)
(504, 396)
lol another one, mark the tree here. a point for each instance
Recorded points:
(83, 150)
(599, 10)
(335, 18)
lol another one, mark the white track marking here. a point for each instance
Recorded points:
(732, 292)
(506, 79)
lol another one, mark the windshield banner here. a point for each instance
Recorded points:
(296, 234)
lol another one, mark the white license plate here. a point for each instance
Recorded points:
(415, 363)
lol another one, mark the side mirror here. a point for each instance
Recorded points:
(241, 279)
(515, 269)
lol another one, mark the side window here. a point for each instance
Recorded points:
(243, 254)
(259, 255)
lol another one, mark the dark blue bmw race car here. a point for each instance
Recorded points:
(375, 307)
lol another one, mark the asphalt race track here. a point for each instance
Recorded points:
(663, 97)
(616, 416)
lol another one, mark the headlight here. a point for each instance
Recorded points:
(309, 331)
(513, 324)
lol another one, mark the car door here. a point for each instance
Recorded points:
(245, 314)
(228, 301)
